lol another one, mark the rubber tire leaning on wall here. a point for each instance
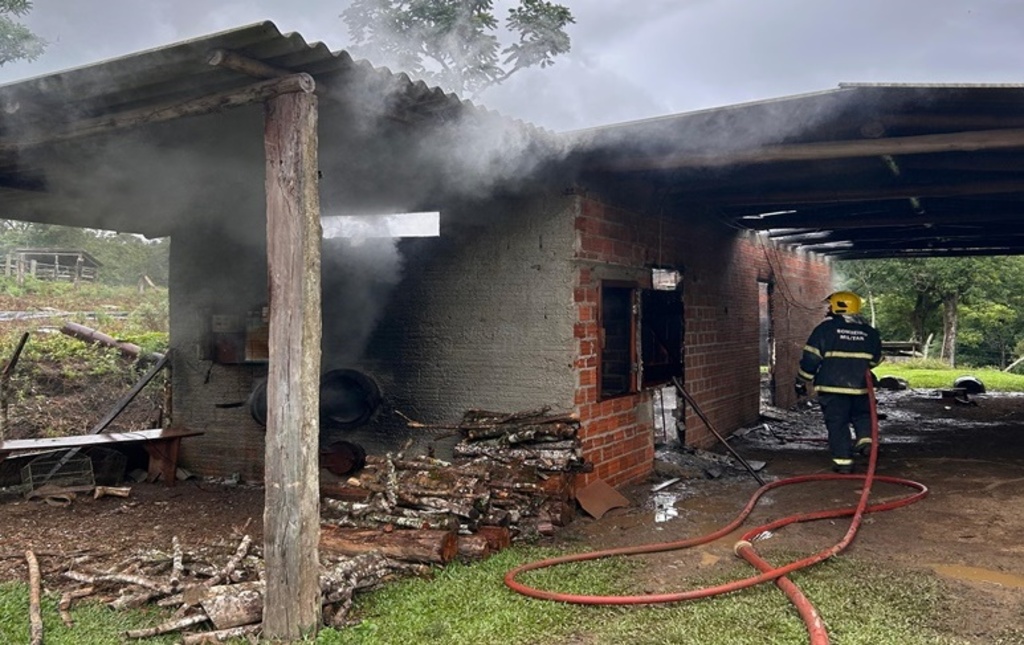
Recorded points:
(348, 399)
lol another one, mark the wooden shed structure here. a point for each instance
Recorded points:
(55, 265)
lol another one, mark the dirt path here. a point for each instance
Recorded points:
(967, 530)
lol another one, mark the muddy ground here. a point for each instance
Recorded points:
(967, 530)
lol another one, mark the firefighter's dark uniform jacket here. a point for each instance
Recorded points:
(839, 353)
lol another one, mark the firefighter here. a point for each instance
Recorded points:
(836, 360)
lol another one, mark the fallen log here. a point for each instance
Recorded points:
(344, 492)
(89, 335)
(234, 605)
(426, 546)
(473, 548)
(35, 612)
(498, 537)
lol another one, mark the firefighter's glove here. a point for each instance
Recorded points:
(800, 387)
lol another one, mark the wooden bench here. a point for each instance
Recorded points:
(160, 443)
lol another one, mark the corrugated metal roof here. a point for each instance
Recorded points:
(179, 71)
(39, 179)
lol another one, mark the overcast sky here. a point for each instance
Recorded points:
(630, 59)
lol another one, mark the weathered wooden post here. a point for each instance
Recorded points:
(291, 516)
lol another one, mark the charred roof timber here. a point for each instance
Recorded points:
(867, 170)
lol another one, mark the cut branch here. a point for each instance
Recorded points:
(35, 613)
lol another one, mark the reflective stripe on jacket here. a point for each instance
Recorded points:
(839, 353)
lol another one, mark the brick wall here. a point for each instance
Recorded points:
(721, 269)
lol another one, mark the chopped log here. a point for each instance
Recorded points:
(35, 612)
(486, 417)
(443, 522)
(544, 458)
(474, 547)
(427, 546)
(496, 517)
(165, 628)
(498, 537)
(234, 605)
(523, 432)
(336, 490)
(413, 463)
(111, 491)
(241, 632)
(361, 572)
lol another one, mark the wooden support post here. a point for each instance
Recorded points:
(291, 516)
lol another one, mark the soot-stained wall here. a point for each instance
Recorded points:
(482, 318)
(216, 271)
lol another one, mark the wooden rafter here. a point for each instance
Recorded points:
(1010, 138)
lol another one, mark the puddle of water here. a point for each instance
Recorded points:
(977, 574)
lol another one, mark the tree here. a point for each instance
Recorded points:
(16, 41)
(452, 43)
(924, 288)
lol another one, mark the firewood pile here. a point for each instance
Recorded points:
(512, 477)
(217, 602)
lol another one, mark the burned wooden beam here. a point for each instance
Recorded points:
(219, 101)
(994, 139)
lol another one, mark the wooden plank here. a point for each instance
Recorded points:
(82, 441)
(1002, 139)
(291, 517)
(217, 102)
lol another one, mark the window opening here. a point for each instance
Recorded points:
(617, 347)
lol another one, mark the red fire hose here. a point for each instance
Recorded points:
(744, 548)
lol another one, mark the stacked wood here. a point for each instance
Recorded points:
(513, 475)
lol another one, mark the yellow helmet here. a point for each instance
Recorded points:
(844, 302)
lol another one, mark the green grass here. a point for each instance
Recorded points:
(860, 603)
(469, 604)
(931, 375)
(94, 624)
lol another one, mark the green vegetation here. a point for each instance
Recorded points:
(454, 43)
(62, 385)
(94, 624)
(971, 309)
(929, 375)
(17, 42)
(470, 604)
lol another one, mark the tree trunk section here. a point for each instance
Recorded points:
(292, 509)
(427, 545)
(234, 605)
(949, 328)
